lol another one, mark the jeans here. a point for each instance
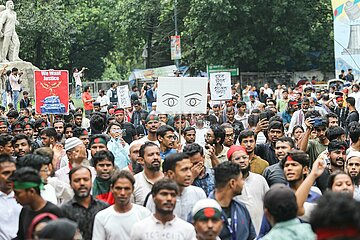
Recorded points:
(4, 98)
(88, 112)
(16, 94)
(78, 92)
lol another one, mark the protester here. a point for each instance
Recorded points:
(116, 221)
(163, 222)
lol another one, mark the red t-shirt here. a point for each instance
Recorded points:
(87, 105)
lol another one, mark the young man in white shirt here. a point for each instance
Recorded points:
(177, 166)
(163, 222)
(104, 101)
(116, 221)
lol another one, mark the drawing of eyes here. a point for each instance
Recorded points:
(172, 100)
(192, 101)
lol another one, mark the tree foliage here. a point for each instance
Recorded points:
(114, 36)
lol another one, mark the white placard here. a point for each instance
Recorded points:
(220, 86)
(123, 96)
(182, 95)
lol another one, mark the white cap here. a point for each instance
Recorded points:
(205, 203)
(353, 154)
(71, 143)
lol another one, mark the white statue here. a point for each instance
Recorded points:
(10, 41)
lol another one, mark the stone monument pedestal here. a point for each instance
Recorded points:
(28, 75)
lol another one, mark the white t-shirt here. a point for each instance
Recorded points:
(77, 77)
(184, 203)
(142, 188)
(49, 194)
(252, 195)
(112, 225)
(151, 228)
(104, 102)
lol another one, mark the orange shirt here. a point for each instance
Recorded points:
(87, 105)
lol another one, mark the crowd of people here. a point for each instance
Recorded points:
(271, 164)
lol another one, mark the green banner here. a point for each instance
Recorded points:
(221, 68)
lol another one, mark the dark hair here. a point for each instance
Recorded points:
(77, 132)
(305, 100)
(110, 118)
(253, 120)
(4, 157)
(171, 160)
(284, 209)
(111, 125)
(14, 69)
(59, 121)
(224, 172)
(112, 84)
(20, 137)
(4, 139)
(276, 125)
(164, 183)
(219, 132)
(144, 146)
(289, 140)
(332, 177)
(49, 132)
(86, 88)
(330, 115)
(188, 129)
(276, 118)
(69, 125)
(256, 111)
(162, 130)
(38, 123)
(13, 114)
(335, 132)
(34, 161)
(351, 101)
(336, 144)
(75, 169)
(45, 152)
(297, 156)
(336, 210)
(192, 149)
(77, 114)
(28, 174)
(296, 127)
(354, 131)
(245, 134)
(240, 104)
(102, 155)
(97, 123)
(122, 174)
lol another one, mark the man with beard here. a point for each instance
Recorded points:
(83, 207)
(341, 111)
(203, 176)
(152, 124)
(336, 161)
(266, 151)
(353, 169)
(3, 126)
(130, 133)
(247, 139)
(115, 222)
(236, 124)
(229, 134)
(9, 208)
(254, 188)
(104, 166)
(22, 145)
(316, 146)
(177, 167)
(236, 218)
(298, 117)
(215, 149)
(134, 166)
(149, 157)
(274, 173)
(189, 134)
(166, 137)
(163, 222)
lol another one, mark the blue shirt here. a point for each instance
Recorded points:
(167, 152)
(237, 226)
(121, 153)
(207, 182)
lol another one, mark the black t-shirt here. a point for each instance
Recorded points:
(129, 133)
(27, 215)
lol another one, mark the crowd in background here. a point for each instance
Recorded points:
(275, 164)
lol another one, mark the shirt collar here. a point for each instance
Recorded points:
(10, 195)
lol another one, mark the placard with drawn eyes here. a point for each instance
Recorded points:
(182, 95)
